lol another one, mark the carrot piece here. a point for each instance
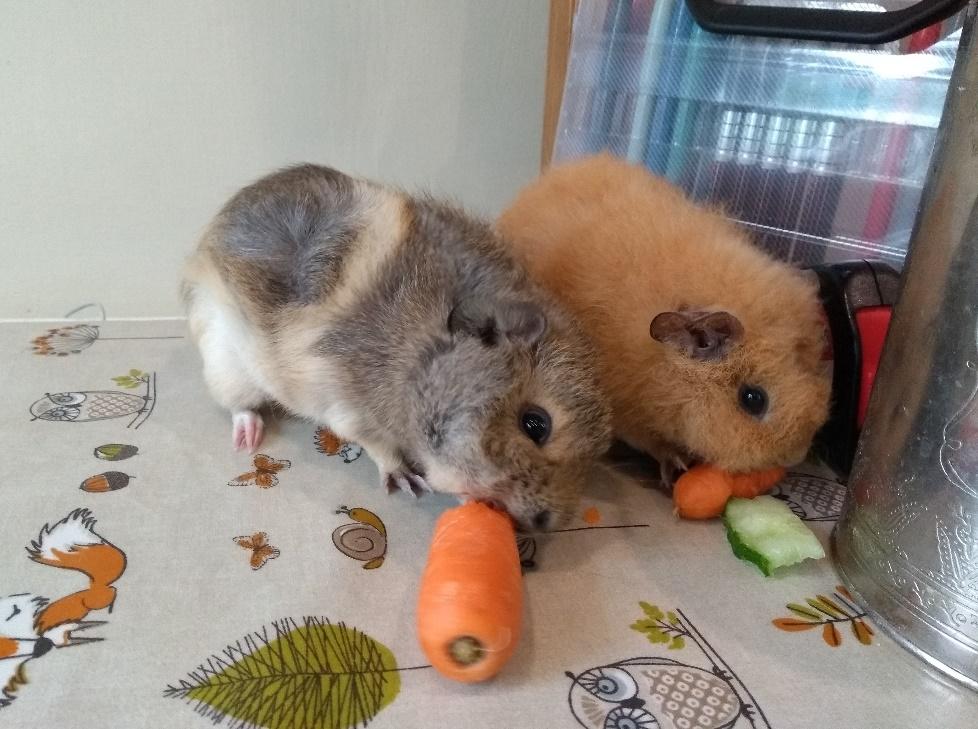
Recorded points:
(755, 483)
(702, 492)
(470, 606)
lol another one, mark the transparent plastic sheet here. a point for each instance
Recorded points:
(820, 149)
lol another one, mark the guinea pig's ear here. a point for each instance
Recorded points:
(520, 322)
(701, 335)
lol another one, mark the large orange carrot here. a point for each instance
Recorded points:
(470, 607)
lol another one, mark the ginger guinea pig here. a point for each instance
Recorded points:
(710, 350)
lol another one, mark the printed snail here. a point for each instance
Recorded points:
(365, 539)
(470, 606)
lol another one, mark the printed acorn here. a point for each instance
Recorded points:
(115, 451)
(108, 481)
(365, 540)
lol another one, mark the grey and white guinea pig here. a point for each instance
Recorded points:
(710, 350)
(403, 324)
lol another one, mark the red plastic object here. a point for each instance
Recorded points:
(872, 323)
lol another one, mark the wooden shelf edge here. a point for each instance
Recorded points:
(558, 50)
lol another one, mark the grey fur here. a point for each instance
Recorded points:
(298, 225)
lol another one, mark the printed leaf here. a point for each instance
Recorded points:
(831, 635)
(652, 611)
(863, 632)
(843, 591)
(803, 612)
(672, 618)
(793, 624)
(656, 636)
(651, 631)
(677, 643)
(316, 675)
(822, 607)
(832, 606)
(134, 379)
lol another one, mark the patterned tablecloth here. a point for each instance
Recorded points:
(165, 574)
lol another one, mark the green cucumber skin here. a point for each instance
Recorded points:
(742, 551)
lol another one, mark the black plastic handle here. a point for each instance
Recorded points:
(835, 26)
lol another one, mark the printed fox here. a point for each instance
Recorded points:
(30, 625)
(20, 641)
(72, 544)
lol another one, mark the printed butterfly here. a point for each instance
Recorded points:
(264, 474)
(261, 550)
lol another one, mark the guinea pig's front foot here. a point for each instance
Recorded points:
(409, 483)
(667, 474)
(671, 467)
(247, 431)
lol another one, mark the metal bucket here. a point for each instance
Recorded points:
(907, 543)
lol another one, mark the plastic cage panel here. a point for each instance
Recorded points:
(820, 149)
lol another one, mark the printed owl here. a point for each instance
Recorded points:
(81, 407)
(653, 693)
(811, 498)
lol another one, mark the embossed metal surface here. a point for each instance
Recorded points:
(907, 542)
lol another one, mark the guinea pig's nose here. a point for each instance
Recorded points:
(541, 520)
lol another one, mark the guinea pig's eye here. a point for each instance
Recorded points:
(535, 423)
(753, 400)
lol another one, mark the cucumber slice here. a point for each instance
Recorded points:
(763, 530)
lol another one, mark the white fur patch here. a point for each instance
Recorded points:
(342, 420)
(448, 480)
(230, 353)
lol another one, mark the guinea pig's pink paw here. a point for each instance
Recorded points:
(248, 429)
(409, 483)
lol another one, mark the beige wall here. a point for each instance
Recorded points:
(125, 124)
